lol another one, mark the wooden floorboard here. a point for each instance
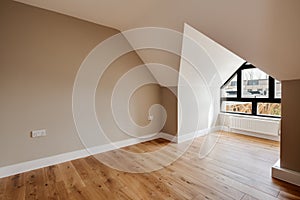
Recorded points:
(238, 167)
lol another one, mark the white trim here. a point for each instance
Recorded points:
(168, 137)
(192, 135)
(65, 157)
(40, 163)
(122, 143)
(287, 175)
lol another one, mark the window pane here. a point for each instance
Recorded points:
(277, 89)
(230, 89)
(237, 107)
(255, 83)
(273, 109)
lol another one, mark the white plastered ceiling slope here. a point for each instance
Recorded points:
(263, 32)
(205, 65)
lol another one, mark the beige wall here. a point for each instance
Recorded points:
(168, 99)
(166, 72)
(40, 54)
(290, 132)
(169, 102)
(160, 56)
(139, 103)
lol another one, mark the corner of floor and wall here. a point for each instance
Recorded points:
(41, 53)
(288, 167)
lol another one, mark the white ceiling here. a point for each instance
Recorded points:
(263, 32)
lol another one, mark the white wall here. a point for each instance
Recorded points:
(204, 66)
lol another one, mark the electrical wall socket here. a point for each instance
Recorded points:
(150, 117)
(38, 133)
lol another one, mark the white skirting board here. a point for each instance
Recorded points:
(65, 157)
(40, 163)
(190, 136)
(167, 136)
(120, 144)
(286, 175)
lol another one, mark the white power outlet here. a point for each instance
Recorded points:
(38, 133)
(150, 117)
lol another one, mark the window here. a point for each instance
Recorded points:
(251, 91)
(255, 83)
(237, 107)
(252, 82)
(277, 89)
(230, 89)
(271, 109)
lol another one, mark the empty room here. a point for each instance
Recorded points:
(149, 99)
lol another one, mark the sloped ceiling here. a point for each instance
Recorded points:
(263, 32)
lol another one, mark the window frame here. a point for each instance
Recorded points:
(254, 101)
(275, 89)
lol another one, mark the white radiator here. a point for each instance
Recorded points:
(269, 127)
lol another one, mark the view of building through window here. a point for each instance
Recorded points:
(230, 89)
(251, 91)
(255, 83)
(277, 89)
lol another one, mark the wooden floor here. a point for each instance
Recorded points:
(237, 168)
